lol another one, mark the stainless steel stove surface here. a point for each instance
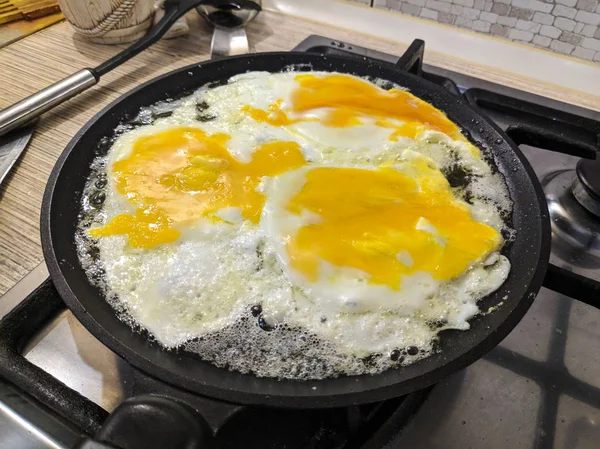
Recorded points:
(540, 388)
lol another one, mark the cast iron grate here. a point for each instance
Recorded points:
(365, 426)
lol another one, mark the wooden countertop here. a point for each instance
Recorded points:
(49, 55)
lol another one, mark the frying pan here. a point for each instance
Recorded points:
(528, 253)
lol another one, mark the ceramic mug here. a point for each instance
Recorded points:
(109, 21)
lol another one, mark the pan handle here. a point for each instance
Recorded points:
(33, 106)
(44, 100)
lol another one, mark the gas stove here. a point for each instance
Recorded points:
(539, 388)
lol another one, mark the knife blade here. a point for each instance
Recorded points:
(11, 147)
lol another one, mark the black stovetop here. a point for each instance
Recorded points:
(397, 422)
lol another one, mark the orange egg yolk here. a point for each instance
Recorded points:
(349, 99)
(372, 219)
(184, 174)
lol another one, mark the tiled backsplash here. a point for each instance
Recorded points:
(570, 27)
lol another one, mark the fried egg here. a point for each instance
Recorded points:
(297, 225)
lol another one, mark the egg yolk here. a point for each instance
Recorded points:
(348, 99)
(274, 116)
(148, 227)
(387, 223)
(184, 174)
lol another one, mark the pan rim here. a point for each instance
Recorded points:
(305, 396)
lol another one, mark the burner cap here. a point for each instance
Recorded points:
(587, 186)
(577, 230)
(588, 171)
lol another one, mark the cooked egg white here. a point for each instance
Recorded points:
(319, 198)
(373, 238)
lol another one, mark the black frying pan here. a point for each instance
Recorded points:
(528, 254)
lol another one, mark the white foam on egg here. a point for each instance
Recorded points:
(197, 292)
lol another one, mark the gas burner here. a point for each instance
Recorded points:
(586, 188)
(38, 405)
(569, 203)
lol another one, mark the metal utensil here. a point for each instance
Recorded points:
(229, 19)
(44, 100)
(11, 147)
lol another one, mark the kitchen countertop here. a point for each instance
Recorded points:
(448, 41)
(54, 53)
